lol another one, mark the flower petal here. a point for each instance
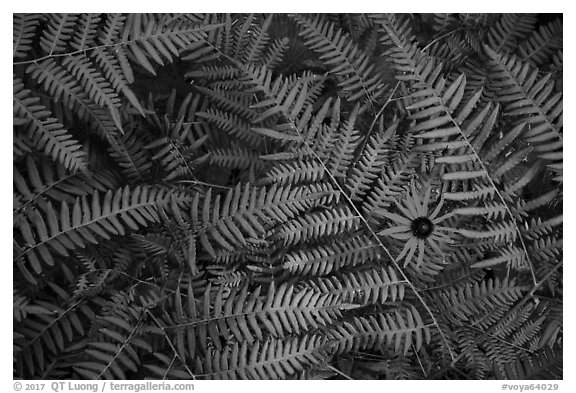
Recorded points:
(442, 218)
(417, 204)
(437, 209)
(435, 246)
(413, 245)
(392, 216)
(392, 230)
(409, 244)
(420, 259)
(402, 236)
(410, 213)
(446, 229)
(427, 199)
(442, 238)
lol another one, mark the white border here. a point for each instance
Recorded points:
(307, 6)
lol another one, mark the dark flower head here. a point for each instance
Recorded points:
(417, 225)
(422, 227)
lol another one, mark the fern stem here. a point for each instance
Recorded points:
(138, 324)
(270, 310)
(330, 367)
(122, 43)
(441, 37)
(171, 344)
(419, 362)
(34, 198)
(170, 366)
(204, 184)
(50, 56)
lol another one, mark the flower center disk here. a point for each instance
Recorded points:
(422, 227)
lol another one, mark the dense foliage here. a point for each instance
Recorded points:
(287, 196)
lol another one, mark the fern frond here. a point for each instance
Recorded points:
(545, 364)
(343, 153)
(504, 231)
(168, 367)
(282, 96)
(236, 158)
(296, 172)
(509, 31)
(44, 131)
(63, 86)
(557, 69)
(444, 21)
(21, 308)
(523, 179)
(548, 248)
(345, 59)
(529, 98)
(491, 210)
(176, 158)
(537, 227)
(510, 325)
(23, 32)
(217, 42)
(47, 332)
(271, 359)
(478, 298)
(511, 256)
(479, 191)
(112, 28)
(450, 54)
(230, 278)
(57, 35)
(160, 41)
(324, 259)
(245, 316)
(85, 35)
(369, 165)
(232, 124)
(276, 53)
(44, 180)
(108, 359)
(259, 39)
(317, 225)
(109, 35)
(131, 155)
(374, 286)
(542, 44)
(239, 217)
(542, 200)
(403, 52)
(392, 182)
(118, 77)
(49, 231)
(95, 85)
(398, 330)
(213, 73)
